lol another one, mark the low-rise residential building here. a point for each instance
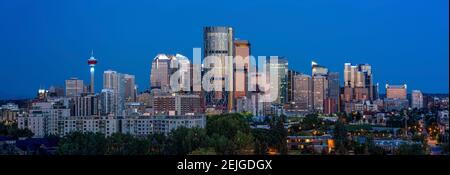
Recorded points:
(43, 124)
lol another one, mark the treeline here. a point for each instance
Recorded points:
(224, 134)
(12, 131)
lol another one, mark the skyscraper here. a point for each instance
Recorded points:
(241, 65)
(281, 81)
(116, 82)
(318, 69)
(353, 76)
(164, 66)
(85, 105)
(130, 88)
(107, 102)
(320, 88)
(303, 88)
(74, 87)
(396, 91)
(218, 43)
(92, 62)
(333, 91)
(291, 85)
(160, 72)
(366, 70)
(416, 99)
(347, 75)
(360, 76)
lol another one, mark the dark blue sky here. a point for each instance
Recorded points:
(42, 43)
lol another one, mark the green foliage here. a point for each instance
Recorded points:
(229, 133)
(77, 143)
(227, 125)
(157, 143)
(182, 140)
(204, 151)
(311, 121)
(126, 144)
(279, 134)
(13, 131)
(263, 139)
(341, 139)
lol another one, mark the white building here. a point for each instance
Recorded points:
(416, 99)
(53, 123)
(42, 119)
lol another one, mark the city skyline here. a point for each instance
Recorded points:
(69, 52)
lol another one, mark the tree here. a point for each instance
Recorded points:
(221, 144)
(157, 143)
(77, 143)
(279, 134)
(243, 142)
(126, 144)
(14, 132)
(228, 133)
(311, 121)
(262, 139)
(227, 125)
(182, 140)
(341, 138)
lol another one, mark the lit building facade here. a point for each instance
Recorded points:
(218, 43)
(303, 88)
(396, 91)
(416, 99)
(74, 87)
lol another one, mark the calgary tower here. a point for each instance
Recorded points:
(92, 62)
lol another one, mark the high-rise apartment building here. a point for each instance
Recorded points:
(107, 102)
(320, 90)
(74, 87)
(87, 105)
(320, 86)
(130, 88)
(116, 82)
(177, 105)
(417, 99)
(303, 88)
